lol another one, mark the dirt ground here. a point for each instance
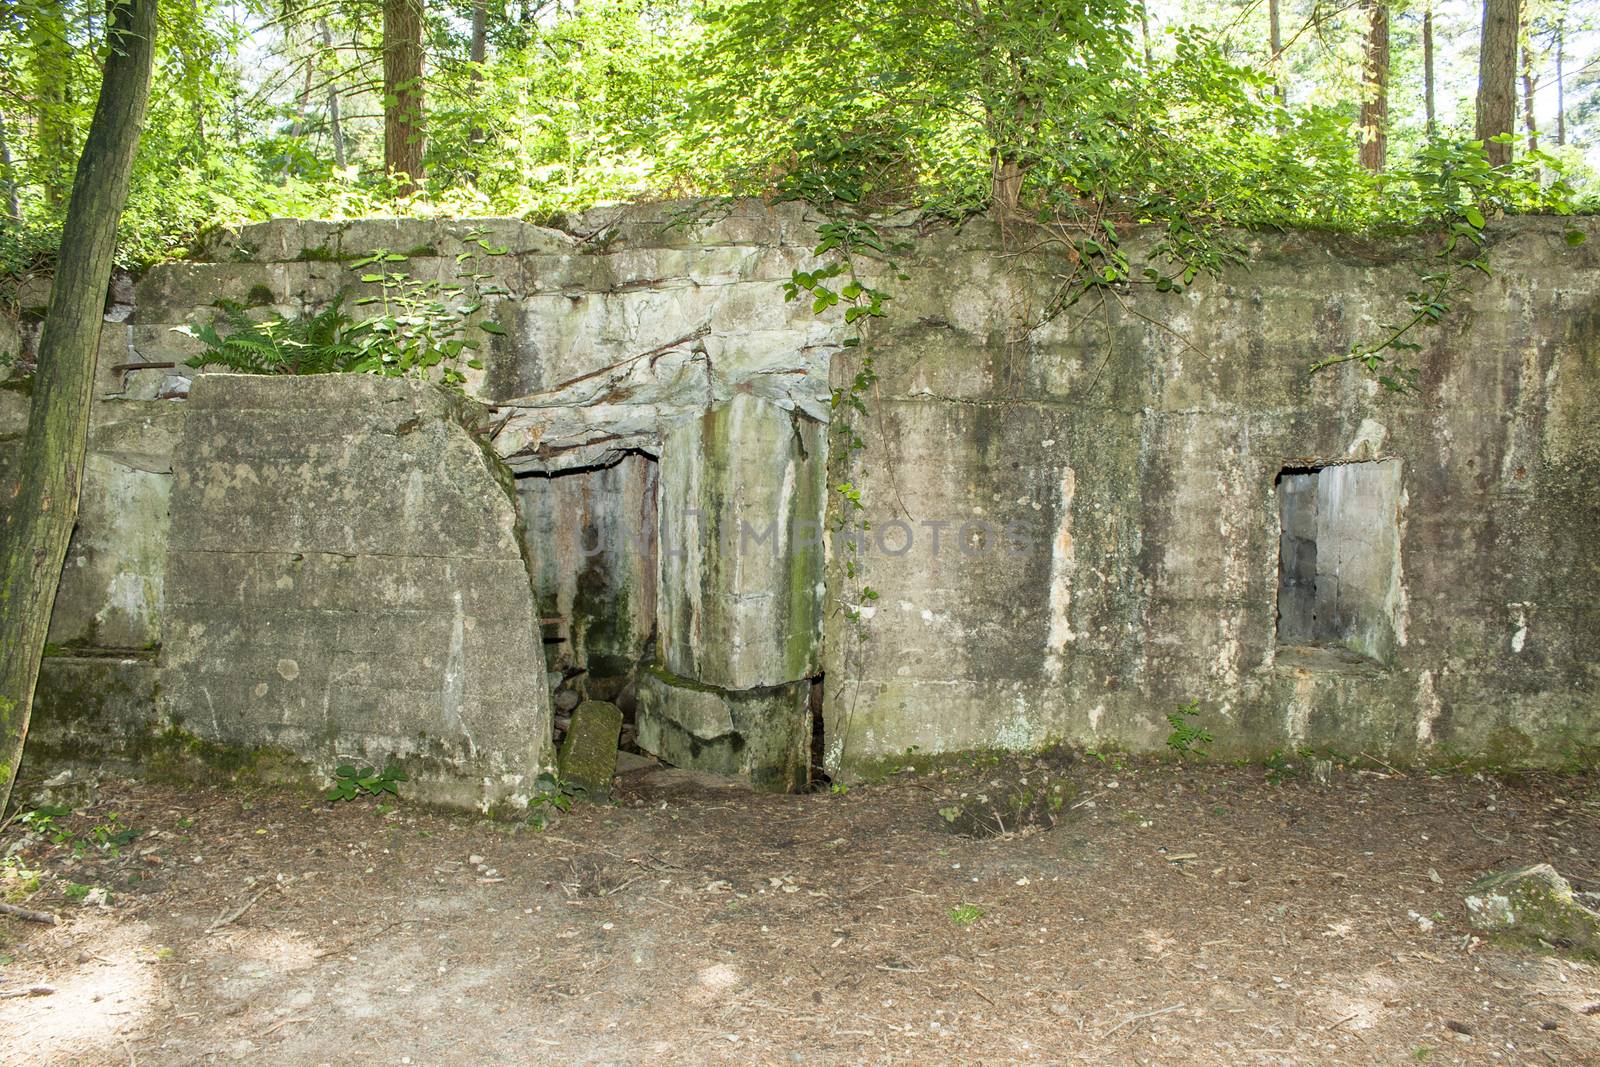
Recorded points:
(1174, 915)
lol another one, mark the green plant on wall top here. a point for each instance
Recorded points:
(415, 328)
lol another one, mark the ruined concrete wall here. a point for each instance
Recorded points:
(1136, 446)
(346, 583)
(1133, 449)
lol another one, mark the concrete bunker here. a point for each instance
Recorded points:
(1339, 557)
(1429, 583)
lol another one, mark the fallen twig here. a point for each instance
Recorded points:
(1389, 767)
(31, 991)
(233, 916)
(1142, 1015)
(29, 914)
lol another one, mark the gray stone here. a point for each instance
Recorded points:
(345, 582)
(761, 736)
(741, 549)
(1535, 905)
(111, 594)
(589, 750)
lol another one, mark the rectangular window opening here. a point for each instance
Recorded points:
(1339, 560)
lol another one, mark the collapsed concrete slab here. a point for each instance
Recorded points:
(346, 583)
(759, 735)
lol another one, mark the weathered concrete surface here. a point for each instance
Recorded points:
(111, 586)
(1137, 449)
(1124, 460)
(759, 735)
(346, 583)
(591, 536)
(741, 550)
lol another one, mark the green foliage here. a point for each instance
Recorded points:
(325, 343)
(965, 914)
(552, 796)
(108, 836)
(417, 329)
(350, 782)
(1053, 113)
(1188, 737)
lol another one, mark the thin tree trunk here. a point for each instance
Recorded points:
(1375, 89)
(477, 52)
(8, 174)
(42, 499)
(402, 91)
(1427, 72)
(1561, 86)
(1144, 35)
(1005, 182)
(1497, 72)
(335, 127)
(1275, 44)
(1528, 120)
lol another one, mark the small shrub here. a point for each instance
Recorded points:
(349, 783)
(1188, 738)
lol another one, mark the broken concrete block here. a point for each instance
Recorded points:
(345, 581)
(742, 499)
(1536, 905)
(759, 735)
(589, 751)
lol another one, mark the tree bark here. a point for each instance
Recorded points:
(1375, 89)
(1561, 85)
(8, 174)
(1427, 72)
(1275, 45)
(1497, 72)
(335, 127)
(477, 52)
(41, 503)
(1529, 122)
(402, 92)
(1144, 36)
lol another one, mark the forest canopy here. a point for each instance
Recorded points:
(1349, 115)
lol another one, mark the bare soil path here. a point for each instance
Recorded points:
(1175, 915)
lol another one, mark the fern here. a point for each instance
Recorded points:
(330, 342)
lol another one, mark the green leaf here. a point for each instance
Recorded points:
(492, 327)
(1574, 238)
(1473, 216)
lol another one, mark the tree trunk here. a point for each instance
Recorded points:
(477, 52)
(1005, 183)
(1497, 72)
(1529, 122)
(1275, 45)
(1144, 36)
(1375, 89)
(8, 174)
(1427, 72)
(335, 127)
(1561, 86)
(42, 499)
(402, 91)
